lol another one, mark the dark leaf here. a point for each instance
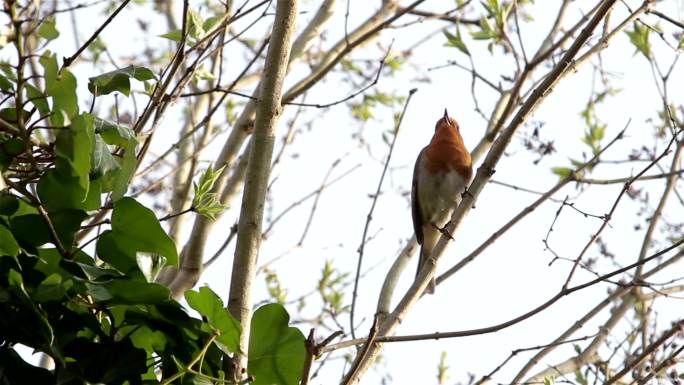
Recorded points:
(276, 351)
(118, 80)
(208, 304)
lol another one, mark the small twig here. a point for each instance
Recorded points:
(192, 363)
(626, 179)
(609, 215)
(316, 105)
(565, 291)
(310, 344)
(550, 230)
(527, 210)
(313, 351)
(369, 217)
(369, 341)
(677, 328)
(173, 215)
(231, 235)
(523, 189)
(352, 95)
(304, 199)
(515, 352)
(669, 361)
(317, 197)
(53, 232)
(66, 62)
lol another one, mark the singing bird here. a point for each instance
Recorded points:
(442, 172)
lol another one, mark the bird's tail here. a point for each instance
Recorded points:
(425, 252)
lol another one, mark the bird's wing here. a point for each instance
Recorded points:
(415, 203)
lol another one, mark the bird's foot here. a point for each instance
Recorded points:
(444, 230)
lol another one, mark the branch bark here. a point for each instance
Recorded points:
(268, 110)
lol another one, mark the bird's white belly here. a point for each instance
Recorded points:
(439, 194)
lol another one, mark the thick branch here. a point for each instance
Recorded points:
(268, 109)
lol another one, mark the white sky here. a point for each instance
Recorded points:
(513, 275)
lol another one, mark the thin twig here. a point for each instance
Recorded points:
(491, 329)
(676, 328)
(66, 62)
(369, 216)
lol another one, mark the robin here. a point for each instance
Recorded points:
(442, 173)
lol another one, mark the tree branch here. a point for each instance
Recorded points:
(268, 110)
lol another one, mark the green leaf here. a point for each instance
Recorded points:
(97, 47)
(8, 245)
(75, 145)
(32, 229)
(107, 362)
(112, 133)
(174, 35)
(85, 271)
(103, 162)
(150, 340)
(136, 229)
(195, 23)
(213, 21)
(208, 304)
(24, 208)
(205, 202)
(276, 351)
(562, 172)
(362, 111)
(5, 84)
(549, 380)
(117, 177)
(48, 30)
(118, 80)
(10, 116)
(203, 74)
(8, 203)
(13, 146)
(61, 86)
(579, 377)
(51, 289)
(38, 99)
(487, 31)
(118, 255)
(129, 291)
(38, 322)
(639, 37)
(456, 41)
(128, 165)
(58, 191)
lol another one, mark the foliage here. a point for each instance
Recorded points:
(95, 310)
(639, 38)
(206, 202)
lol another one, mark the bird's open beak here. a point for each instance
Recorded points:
(446, 115)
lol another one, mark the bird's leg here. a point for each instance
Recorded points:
(444, 229)
(466, 193)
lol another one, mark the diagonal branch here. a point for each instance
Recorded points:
(483, 175)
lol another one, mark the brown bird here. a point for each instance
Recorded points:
(442, 172)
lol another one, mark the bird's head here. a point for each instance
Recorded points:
(446, 121)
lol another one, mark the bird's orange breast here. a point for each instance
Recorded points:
(447, 152)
